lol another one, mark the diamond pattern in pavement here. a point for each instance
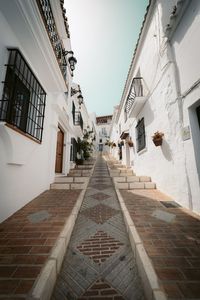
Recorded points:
(99, 247)
(100, 196)
(99, 262)
(100, 186)
(100, 213)
(101, 290)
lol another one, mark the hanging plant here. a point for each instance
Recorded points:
(157, 138)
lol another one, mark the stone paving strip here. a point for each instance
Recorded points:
(31, 241)
(99, 262)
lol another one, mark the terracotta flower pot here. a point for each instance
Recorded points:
(157, 142)
(130, 144)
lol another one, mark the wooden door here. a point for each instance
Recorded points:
(59, 151)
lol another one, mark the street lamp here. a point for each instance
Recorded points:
(80, 100)
(71, 59)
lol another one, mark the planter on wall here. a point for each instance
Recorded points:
(130, 144)
(157, 142)
(157, 138)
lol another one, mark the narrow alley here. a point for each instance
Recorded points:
(99, 150)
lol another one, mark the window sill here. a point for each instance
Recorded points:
(142, 151)
(22, 133)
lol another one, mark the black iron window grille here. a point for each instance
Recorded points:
(50, 25)
(77, 117)
(73, 112)
(136, 90)
(23, 100)
(140, 135)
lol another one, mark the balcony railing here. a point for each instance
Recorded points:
(78, 121)
(48, 18)
(135, 98)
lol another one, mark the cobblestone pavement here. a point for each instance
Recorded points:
(27, 238)
(99, 262)
(171, 236)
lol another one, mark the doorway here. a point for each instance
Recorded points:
(59, 151)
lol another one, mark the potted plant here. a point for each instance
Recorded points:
(130, 142)
(157, 138)
(113, 145)
(122, 143)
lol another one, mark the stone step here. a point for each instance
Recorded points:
(119, 173)
(78, 173)
(135, 185)
(83, 167)
(132, 178)
(67, 179)
(68, 186)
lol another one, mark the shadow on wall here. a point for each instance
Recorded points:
(166, 150)
(149, 117)
(6, 143)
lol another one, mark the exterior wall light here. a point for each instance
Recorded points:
(71, 59)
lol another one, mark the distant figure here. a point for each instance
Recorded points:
(100, 147)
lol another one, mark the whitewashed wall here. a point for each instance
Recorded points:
(175, 165)
(28, 168)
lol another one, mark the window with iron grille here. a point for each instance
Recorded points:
(23, 100)
(73, 112)
(73, 152)
(140, 135)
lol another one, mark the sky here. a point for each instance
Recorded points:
(103, 37)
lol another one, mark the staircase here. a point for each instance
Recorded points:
(77, 179)
(125, 179)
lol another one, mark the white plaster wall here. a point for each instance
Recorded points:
(186, 46)
(172, 166)
(28, 168)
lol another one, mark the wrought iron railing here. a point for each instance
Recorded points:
(77, 117)
(78, 120)
(136, 90)
(48, 18)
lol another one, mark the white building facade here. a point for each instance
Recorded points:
(162, 94)
(37, 125)
(103, 124)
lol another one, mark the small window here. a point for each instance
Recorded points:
(100, 141)
(23, 100)
(140, 135)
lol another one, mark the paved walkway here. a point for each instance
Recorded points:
(27, 238)
(171, 237)
(99, 262)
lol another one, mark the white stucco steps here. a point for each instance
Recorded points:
(134, 182)
(70, 183)
(80, 173)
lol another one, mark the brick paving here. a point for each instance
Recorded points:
(26, 240)
(173, 247)
(99, 262)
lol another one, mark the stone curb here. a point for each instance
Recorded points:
(43, 288)
(147, 273)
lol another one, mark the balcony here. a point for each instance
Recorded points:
(48, 18)
(136, 98)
